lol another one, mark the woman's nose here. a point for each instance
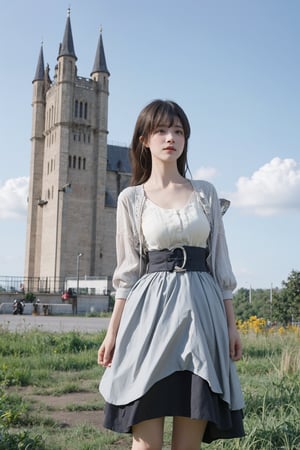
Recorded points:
(170, 137)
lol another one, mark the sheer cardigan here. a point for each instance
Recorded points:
(131, 257)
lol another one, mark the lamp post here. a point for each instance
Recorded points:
(250, 293)
(271, 300)
(79, 255)
(64, 188)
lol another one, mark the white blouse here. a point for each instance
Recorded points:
(169, 227)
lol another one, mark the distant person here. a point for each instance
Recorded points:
(172, 340)
(73, 297)
(65, 296)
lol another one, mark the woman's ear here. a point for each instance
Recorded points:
(143, 141)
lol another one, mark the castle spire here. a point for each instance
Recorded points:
(100, 61)
(40, 68)
(67, 46)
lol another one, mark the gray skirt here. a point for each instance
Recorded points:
(172, 323)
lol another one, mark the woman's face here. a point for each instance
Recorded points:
(166, 143)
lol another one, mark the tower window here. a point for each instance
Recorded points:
(76, 108)
(85, 110)
(74, 162)
(80, 109)
(83, 163)
(79, 162)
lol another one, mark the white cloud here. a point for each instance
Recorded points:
(204, 173)
(13, 198)
(272, 189)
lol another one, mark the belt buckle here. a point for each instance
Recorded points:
(182, 267)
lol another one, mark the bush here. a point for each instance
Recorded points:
(30, 297)
(21, 441)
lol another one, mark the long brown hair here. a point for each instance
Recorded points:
(156, 113)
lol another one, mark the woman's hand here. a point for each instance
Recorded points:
(235, 344)
(106, 351)
(107, 348)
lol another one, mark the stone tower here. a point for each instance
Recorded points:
(75, 177)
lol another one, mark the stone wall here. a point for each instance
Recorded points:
(52, 304)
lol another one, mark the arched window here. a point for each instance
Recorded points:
(79, 162)
(74, 162)
(85, 110)
(83, 163)
(76, 108)
(80, 109)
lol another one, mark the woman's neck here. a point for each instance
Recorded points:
(168, 190)
(162, 176)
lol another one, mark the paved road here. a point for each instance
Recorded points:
(53, 323)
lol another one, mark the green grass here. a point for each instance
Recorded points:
(35, 363)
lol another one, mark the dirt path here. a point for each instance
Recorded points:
(58, 407)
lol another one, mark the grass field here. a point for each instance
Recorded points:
(49, 396)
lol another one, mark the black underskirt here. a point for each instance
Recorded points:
(180, 394)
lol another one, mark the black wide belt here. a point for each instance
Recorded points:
(179, 259)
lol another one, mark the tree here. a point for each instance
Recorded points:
(243, 305)
(254, 303)
(286, 302)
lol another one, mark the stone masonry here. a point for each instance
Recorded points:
(75, 176)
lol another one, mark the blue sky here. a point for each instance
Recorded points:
(233, 65)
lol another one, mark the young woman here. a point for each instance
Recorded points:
(172, 340)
